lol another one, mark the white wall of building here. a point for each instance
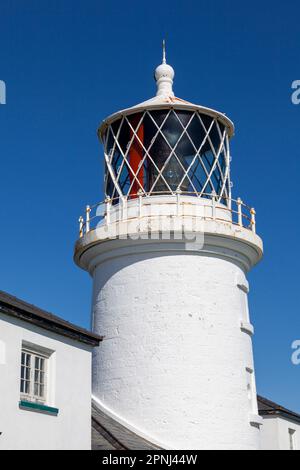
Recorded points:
(275, 433)
(70, 392)
(174, 360)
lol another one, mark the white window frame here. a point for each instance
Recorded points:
(31, 395)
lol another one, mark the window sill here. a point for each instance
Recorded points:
(31, 406)
(247, 328)
(256, 420)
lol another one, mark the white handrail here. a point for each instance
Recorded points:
(246, 216)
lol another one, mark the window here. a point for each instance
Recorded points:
(292, 436)
(243, 289)
(251, 390)
(33, 376)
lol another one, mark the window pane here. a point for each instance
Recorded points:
(28, 359)
(25, 373)
(27, 387)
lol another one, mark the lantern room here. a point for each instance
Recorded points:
(167, 145)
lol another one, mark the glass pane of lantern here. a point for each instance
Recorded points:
(197, 175)
(158, 132)
(150, 128)
(173, 173)
(172, 129)
(184, 117)
(208, 160)
(109, 142)
(124, 179)
(185, 153)
(124, 136)
(216, 180)
(159, 116)
(215, 138)
(206, 121)
(196, 132)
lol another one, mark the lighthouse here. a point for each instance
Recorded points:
(168, 251)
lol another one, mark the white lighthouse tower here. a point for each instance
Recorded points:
(169, 251)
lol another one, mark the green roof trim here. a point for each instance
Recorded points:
(28, 405)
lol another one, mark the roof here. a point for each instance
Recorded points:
(17, 308)
(165, 99)
(158, 103)
(269, 408)
(108, 434)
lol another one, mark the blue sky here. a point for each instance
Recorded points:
(69, 64)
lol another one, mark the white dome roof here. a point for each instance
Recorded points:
(165, 98)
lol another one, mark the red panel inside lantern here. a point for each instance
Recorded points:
(136, 156)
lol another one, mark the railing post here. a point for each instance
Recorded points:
(213, 198)
(240, 212)
(140, 194)
(87, 219)
(124, 208)
(178, 201)
(80, 220)
(108, 206)
(253, 220)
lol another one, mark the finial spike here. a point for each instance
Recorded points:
(164, 75)
(164, 61)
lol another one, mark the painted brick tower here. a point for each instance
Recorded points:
(168, 252)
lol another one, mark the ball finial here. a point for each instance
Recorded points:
(164, 75)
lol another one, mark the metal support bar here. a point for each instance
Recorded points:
(108, 207)
(240, 213)
(140, 204)
(213, 198)
(87, 219)
(80, 220)
(178, 202)
(124, 209)
(253, 220)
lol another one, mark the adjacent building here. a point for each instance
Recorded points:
(281, 427)
(45, 386)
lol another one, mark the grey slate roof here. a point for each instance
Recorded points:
(108, 434)
(269, 408)
(17, 308)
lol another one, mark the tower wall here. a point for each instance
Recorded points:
(177, 352)
(176, 362)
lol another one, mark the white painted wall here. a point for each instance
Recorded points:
(71, 391)
(174, 358)
(275, 433)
